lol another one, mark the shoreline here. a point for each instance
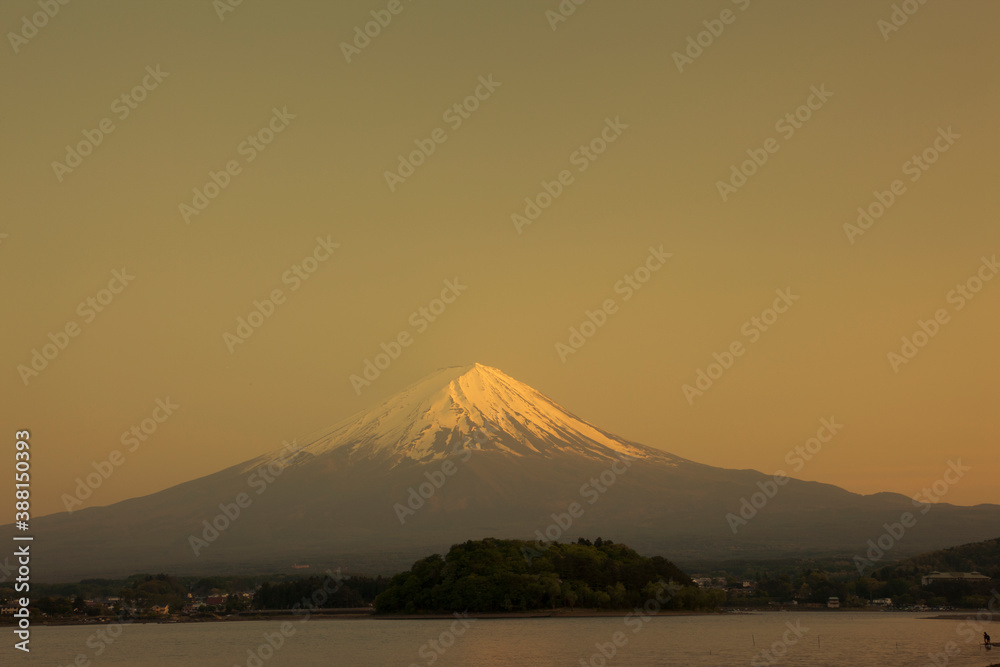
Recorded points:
(558, 613)
(354, 615)
(359, 615)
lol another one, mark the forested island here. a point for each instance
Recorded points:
(505, 576)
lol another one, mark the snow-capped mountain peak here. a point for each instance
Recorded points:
(476, 407)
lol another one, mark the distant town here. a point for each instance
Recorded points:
(937, 593)
(162, 598)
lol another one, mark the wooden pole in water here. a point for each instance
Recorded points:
(754, 640)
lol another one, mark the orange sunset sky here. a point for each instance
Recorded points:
(643, 135)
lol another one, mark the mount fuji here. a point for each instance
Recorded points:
(466, 453)
(424, 422)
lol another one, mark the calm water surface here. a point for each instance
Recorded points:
(843, 639)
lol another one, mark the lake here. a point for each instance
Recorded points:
(778, 638)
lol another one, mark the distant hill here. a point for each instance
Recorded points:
(982, 557)
(515, 576)
(904, 579)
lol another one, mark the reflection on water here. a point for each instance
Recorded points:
(801, 639)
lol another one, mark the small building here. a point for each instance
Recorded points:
(833, 603)
(940, 577)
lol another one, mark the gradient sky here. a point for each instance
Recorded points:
(656, 184)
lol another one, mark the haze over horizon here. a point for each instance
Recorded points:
(357, 255)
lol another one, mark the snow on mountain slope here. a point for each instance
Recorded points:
(438, 415)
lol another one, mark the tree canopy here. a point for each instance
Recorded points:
(494, 575)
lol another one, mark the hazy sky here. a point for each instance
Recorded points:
(640, 123)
